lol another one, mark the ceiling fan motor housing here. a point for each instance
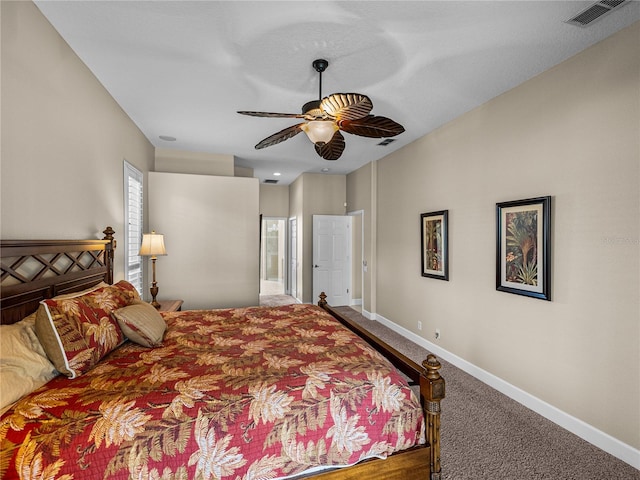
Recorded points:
(309, 106)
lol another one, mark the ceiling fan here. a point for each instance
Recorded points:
(324, 118)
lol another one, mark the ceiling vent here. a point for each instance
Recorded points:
(386, 142)
(271, 180)
(596, 11)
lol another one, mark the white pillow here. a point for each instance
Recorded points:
(24, 366)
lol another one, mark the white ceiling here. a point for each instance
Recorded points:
(183, 68)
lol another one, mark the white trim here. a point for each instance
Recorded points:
(132, 174)
(359, 213)
(596, 437)
(292, 270)
(369, 315)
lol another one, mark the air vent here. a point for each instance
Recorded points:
(596, 11)
(271, 180)
(386, 142)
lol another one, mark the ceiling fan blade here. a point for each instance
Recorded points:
(371, 126)
(346, 106)
(270, 114)
(333, 149)
(281, 136)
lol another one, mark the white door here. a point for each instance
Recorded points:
(293, 258)
(332, 258)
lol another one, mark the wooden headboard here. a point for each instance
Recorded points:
(33, 270)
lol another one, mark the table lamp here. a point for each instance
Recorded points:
(153, 246)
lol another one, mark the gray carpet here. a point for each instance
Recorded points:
(487, 435)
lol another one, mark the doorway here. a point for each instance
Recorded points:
(273, 256)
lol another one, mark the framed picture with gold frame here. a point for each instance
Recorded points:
(523, 247)
(435, 244)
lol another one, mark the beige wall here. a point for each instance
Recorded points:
(274, 200)
(243, 172)
(572, 133)
(198, 163)
(296, 211)
(323, 195)
(313, 194)
(361, 188)
(211, 230)
(64, 138)
(310, 194)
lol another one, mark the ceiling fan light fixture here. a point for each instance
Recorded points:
(320, 131)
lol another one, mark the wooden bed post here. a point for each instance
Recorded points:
(323, 300)
(109, 253)
(431, 393)
(432, 388)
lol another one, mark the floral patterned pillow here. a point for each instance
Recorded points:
(77, 332)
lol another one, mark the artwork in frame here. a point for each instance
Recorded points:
(523, 246)
(435, 248)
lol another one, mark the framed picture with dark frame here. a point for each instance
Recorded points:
(523, 247)
(435, 244)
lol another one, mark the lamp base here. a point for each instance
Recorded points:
(154, 293)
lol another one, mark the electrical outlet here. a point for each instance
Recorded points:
(419, 325)
(437, 334)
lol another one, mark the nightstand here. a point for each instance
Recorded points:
(170, 305)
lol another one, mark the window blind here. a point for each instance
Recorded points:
(133, 213)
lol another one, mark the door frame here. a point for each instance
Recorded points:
(285, 256)
(292, 247)
(359, 213)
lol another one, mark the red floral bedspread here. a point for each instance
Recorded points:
(253, 393)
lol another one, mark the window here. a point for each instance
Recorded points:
(133, 213)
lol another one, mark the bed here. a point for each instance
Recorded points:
(295, 391)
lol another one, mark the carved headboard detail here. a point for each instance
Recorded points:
(32, 270)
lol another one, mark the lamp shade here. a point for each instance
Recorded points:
(320, 131)
(152, 245)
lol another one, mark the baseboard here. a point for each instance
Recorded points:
(596, 437)
(356, 301)
(369, 315)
